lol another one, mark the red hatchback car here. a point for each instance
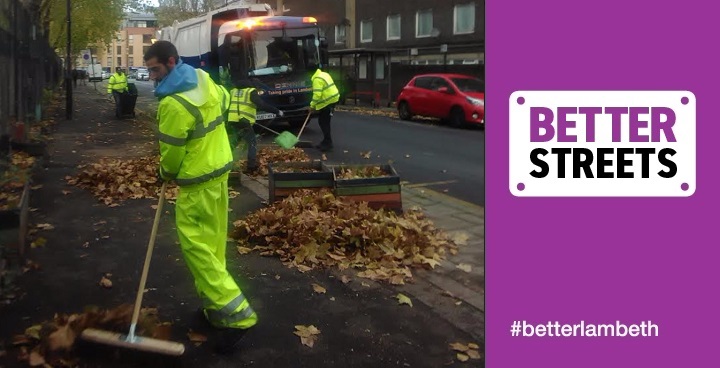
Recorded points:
(456, 98)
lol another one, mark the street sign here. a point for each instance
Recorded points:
(443, 47)
(85, 55)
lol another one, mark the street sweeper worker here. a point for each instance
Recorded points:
(117, 84)
(244, 102)
(325, 96)
(195, 153)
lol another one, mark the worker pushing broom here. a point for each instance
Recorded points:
(195, 153)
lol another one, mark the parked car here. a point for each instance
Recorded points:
(142, 74)
(455, 98)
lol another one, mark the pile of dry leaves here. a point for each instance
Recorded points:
(273, 154)
(13, 176)
(361, 172)
(115, 180)
(316, 230)
(51, 343)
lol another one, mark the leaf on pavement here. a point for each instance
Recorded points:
(308, 334)
(39, 242)
(403, 299)
(323, 157)
(459, 238)
(36, 359)
(319, 289)
(66, 192)
(243, 250)
(33, 331)
(459, 347)
(196, 337)
(366, 155)
(105, 282)
(45, 226)
(344, 279)
(462, 357)
(465, 267)
(473, 354)
(473, 346)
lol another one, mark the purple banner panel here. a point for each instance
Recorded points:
(582, 270)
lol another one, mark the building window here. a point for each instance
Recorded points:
(147, 38)
(130, 49)
(340, 34)
(366, 31)
(118, 50)
(130, 61)
(393, 27)
(423, 23)
(362, 68)
(141, 24)
(380, 67)
(464, 18)
(130, 38)
(119, 61)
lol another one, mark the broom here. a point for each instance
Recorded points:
(131, 341)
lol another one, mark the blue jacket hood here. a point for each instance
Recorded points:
(181, 79)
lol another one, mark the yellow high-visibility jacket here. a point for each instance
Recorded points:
(194, 146)
(324, 90)
(117, 83)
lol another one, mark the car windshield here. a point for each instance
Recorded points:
(469, 84)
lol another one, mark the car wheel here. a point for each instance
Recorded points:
(404, 111)
(457, 117)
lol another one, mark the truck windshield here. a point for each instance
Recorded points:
(283, 51)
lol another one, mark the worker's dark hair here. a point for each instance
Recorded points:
(163, 51)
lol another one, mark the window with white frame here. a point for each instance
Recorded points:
(423, 23)
(366, 31)
(464, 18)
(340, 34)
(393, 27)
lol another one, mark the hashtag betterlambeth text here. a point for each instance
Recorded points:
(583, 329)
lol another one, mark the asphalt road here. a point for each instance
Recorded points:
(438, 157)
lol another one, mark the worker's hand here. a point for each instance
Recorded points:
(281, 113)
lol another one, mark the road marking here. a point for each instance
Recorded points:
(430, 183)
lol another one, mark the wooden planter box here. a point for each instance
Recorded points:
(379, 192)
(17, 219)
(287, 177)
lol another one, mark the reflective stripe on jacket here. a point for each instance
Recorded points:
(241, 107)
(324, 90)
(194, 147)
(117, 82)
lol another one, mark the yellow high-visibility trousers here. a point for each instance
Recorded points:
(201, 216)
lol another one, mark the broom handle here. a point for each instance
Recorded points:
(306, 120)
(267, 128)
(146, 266)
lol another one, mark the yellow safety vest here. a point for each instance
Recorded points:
(117, 82)
(240, 105)
(190, 122)
(324, 90)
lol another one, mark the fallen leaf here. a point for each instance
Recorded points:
(344, 279)
(66, 192)
(319, 289)
(36, 359)
(462, 357)
(473, 345)
(403, 299)
(407, 156)
(35, 187)
(458, 302)
(86, 244)
(473, 354)
(105, 282)
(45, 226)
(345, 151)
(459, 347)
(365, 284)
(39, 242)
(465, 267)
(33, 331)
(277, 277)
(323, 157)
(366, 155)
(243, 250)
(196, 337)
(308, 334)
(332, 298)
(459, 238)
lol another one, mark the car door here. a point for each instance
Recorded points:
(420, 96)
(441, 98)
